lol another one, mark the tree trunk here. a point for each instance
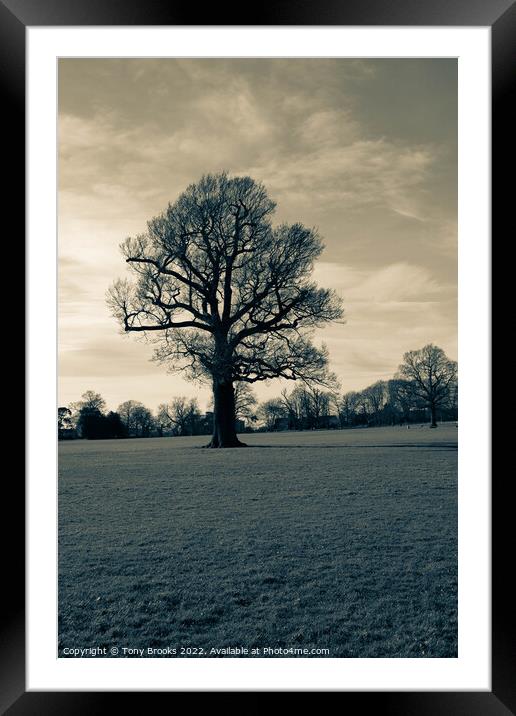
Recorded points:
(224, 432)
(433, 423)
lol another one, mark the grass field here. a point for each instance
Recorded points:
(339, 540)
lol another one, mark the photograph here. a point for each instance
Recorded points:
(257, 413)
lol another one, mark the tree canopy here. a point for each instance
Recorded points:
(227, 296)
(431, 376)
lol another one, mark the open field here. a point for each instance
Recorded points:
(345, 540)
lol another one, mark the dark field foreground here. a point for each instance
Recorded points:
(339, 540)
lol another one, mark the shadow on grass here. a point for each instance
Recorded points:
(425, 446)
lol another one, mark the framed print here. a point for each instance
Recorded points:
(271, 248)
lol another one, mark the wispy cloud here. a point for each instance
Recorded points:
(394, 283)
(388, 311)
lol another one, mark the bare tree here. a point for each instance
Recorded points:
(87, 411)
(181, 414)
(128, 412)
(245, 402)
(291, 403)
(319, 404)
(432, 376)
(143, 421)
(362, 406)
(375, 399)
(162, 418)
(270, 411)
(90, 402)
(136, 417)
(226, 296)
(335, 404)
(348, 406)
(401, 397)
(306, 406)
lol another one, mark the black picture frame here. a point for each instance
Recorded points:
(500, 16)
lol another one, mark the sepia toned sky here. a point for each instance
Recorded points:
(364, 150)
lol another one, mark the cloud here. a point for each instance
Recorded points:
(395, 283)
(388, 311)
(109, 355)
(330, 164)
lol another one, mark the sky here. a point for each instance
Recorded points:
(363, 150)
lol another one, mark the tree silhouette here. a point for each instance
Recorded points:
(136, 417)
(181, 413)
(270, 411)
(90, 402)
(64, 418)
(128, 414)
(432, 376)
(89, 412)
(226, 296)
(245, 402)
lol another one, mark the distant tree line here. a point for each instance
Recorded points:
(424, 389)
(89, 419)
